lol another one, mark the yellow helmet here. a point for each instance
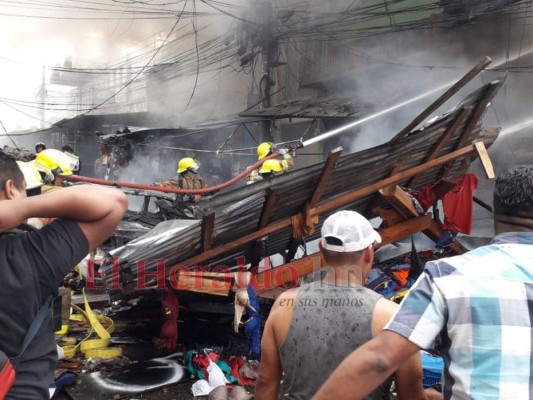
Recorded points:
(263, 149)
(55, 161)
(187, 163)
(270, 166)
(31, 175)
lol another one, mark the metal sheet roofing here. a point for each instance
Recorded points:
(353, 184)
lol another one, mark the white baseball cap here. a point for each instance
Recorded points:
(351, 229)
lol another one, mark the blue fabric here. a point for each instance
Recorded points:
(252, 327)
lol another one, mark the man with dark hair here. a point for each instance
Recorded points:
(312, 328)
(34, 263)
(479, 302)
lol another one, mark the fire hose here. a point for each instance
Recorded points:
(244, 174)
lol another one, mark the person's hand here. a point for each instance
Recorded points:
(282, 151)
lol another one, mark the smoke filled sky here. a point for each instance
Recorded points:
(90, 34)
(116, 33)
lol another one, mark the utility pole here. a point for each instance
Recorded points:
(42, 93)
(268, 52)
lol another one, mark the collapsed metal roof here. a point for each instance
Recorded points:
(268, 217)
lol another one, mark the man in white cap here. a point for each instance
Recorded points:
(312, 328)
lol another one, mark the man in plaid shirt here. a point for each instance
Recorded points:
(480, 302)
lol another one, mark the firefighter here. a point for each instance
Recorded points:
(53, 164)
(187, 178)
(40, 146)
(32, 177)
(273, 166)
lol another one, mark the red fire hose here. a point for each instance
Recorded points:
(246, 172)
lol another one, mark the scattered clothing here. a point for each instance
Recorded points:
(169, 330)
(458, 205)
(252, 327)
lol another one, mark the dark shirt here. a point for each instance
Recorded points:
(33, 264)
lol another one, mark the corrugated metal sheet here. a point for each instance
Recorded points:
(238, 212)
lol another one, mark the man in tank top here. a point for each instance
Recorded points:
(312, 328)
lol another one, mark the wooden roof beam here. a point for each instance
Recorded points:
(444, 97)
(268, 207)
(328, 206)
(443, 140)
(320, 187)
(478, 113)
(325, 174)
(403, 203)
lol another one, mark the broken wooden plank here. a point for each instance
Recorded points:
(400, 200)
(325, 174)
(320, 187)
(403, 204)
(478, 113)
(399, 177)
(404, 229)
(485, 160)
(443, 140)
(443, 98)
(216, 287)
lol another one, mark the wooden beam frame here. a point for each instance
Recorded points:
(485, 160)
(273, 281)
(442, 141)
(328, 206)
(444, 97)
(404, 206)
(325, 174)
(320, 187)
(478, 113)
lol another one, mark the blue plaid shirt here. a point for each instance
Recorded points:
(482, 302)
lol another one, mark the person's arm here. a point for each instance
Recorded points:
(267, 386)
(287, 163)
(367, 367)
(97, 210)
(409, 375)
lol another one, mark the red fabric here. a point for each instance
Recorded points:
(202, 361)
(169, 330)
(458, 205)
(236, 363)
(425, 197)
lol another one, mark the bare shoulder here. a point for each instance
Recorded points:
(286, 298)
(383, 312)
(385, 307)
(285, 301)
(280, 316)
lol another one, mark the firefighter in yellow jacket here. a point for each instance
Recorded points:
(187, 178)
(273, 166)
